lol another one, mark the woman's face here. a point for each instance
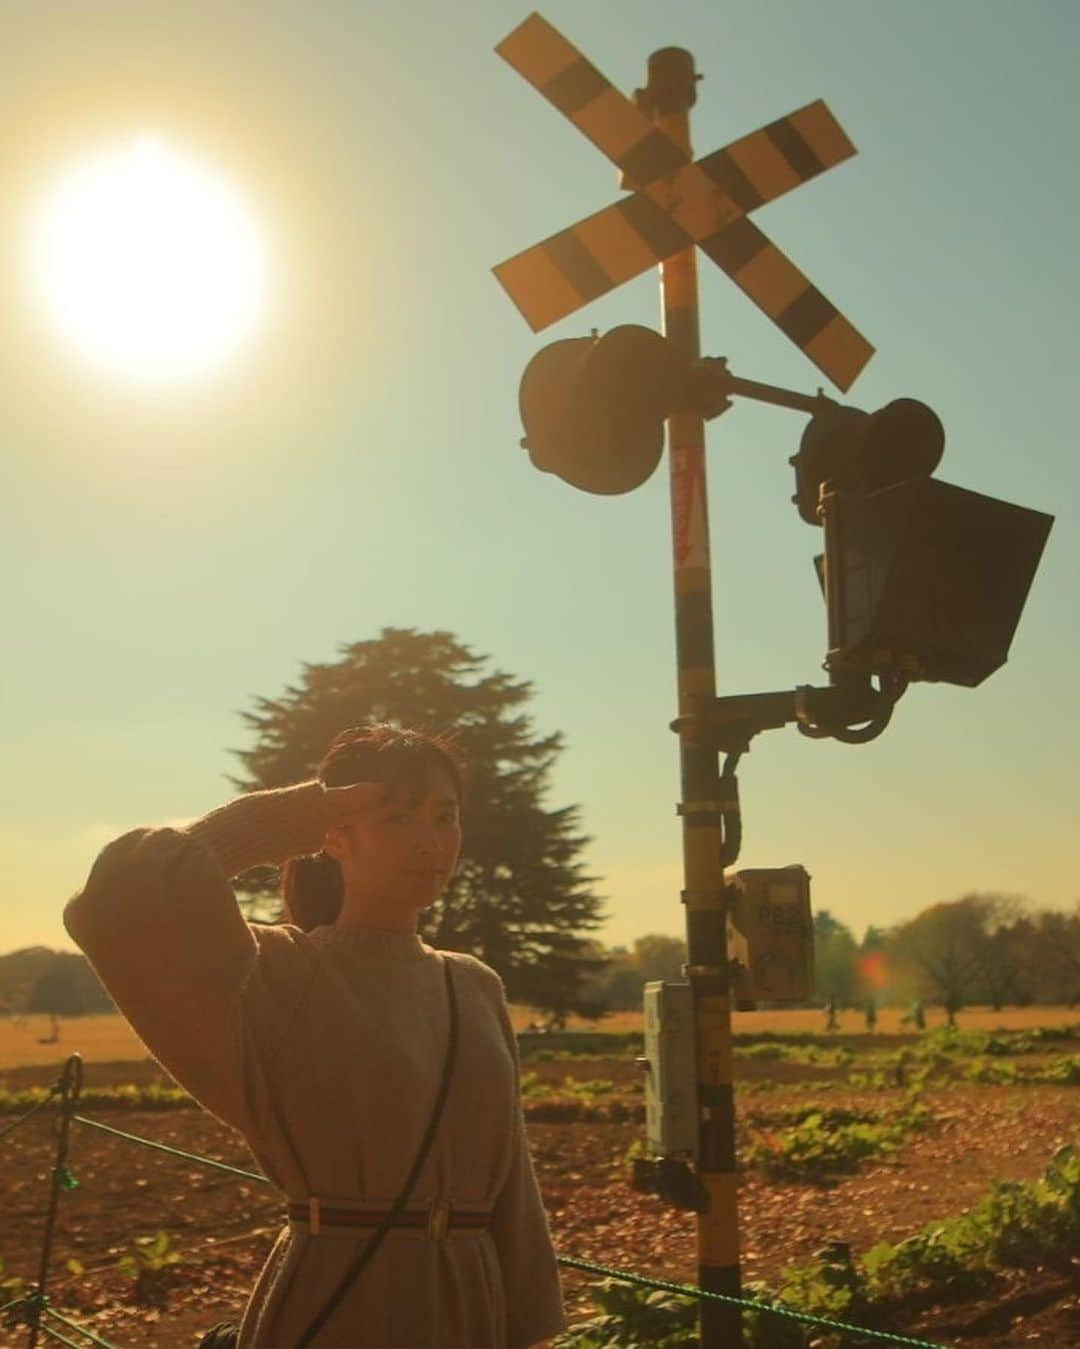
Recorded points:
(403, 851)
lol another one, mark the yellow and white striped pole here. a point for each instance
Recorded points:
(668, 98)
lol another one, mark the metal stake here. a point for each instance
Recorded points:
(70, 1087)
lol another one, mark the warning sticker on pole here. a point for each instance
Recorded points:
(689, 517)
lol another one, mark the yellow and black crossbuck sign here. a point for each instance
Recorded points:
(679, 203)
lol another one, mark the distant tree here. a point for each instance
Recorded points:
(619, 984)
(520, 900)
(943, 947)
(1000, 954)
(836, 956)
(1051, 956)
(616, 984)
(659, 957)
(22, 970)
(57, 994)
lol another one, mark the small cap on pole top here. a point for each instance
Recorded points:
(672, 80)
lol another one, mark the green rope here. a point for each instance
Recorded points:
(173, 1152)
(32, 1111)
(73, 1325)
(776, 1310)
(15, 1302)
(46, 1329)
(685, 1290)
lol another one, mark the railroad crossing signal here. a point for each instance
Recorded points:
(922, 580)
(863, 451)
(678, 203)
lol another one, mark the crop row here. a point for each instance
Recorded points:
(1015, 1225)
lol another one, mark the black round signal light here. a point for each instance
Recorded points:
(593, 408)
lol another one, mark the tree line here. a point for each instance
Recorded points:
(979, 949)
(522, 899)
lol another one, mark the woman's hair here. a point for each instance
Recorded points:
(313, 887)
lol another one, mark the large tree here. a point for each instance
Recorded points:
(520, 899)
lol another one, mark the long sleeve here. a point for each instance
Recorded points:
(264, 828)
(161, 926)
(519, 1227)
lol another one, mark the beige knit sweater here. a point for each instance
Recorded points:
(325, 1050)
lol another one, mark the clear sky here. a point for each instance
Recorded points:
(170, 554)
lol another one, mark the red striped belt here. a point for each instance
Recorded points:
(437, 1218)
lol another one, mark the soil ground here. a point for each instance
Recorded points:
(223, 1227)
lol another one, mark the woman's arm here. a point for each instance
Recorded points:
(160, 924)
(264, 828)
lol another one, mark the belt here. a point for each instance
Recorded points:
(438, 1218)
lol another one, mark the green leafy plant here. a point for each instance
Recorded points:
(630, 1315)
(824, 1143)
(149, 1265)
(1014, 1224)
(1063, 1072)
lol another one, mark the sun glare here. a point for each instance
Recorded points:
(148, 264)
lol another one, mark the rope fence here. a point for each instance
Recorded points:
(38, 1314)
(53, 1091)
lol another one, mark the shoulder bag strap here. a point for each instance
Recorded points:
(362, 1260)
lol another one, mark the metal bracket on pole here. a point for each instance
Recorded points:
(703, 897)
(729, 724)
(710, 387)
(706, 807)
(672, 1180)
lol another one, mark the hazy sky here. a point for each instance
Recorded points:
(169, 555)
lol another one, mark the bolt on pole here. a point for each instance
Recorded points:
(704, 807)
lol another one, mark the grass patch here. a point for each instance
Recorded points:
(128, 1096)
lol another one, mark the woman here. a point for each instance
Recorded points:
(323, 1042)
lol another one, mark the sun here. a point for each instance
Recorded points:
(148, 264)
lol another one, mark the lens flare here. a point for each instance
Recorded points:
(872, 969)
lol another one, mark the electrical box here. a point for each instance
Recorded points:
(770, 935)
(671, 1124)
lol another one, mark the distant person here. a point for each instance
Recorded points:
(871, 1015)
(830, 1015)
(323, 1041)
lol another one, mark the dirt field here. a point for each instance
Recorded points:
(222, 1228)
